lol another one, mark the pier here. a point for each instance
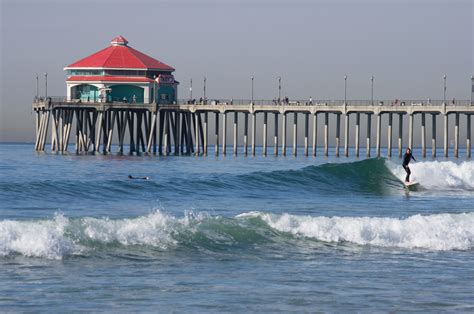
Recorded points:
(183, 127)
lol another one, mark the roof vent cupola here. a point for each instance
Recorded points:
(119, 41)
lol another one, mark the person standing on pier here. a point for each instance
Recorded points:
(406, 160)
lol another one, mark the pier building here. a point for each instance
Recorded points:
(121, 73)
(119, 95)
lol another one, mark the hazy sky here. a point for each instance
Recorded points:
(407, 45)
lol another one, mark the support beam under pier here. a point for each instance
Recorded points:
(346, 135)
(400, 134)
(306, 127)
(224, 133)
(357, 134)
(338, 133)
(236, 131)
(254, 132)
(283, 137)
(216, 134)
(326, 134)
(265, 117)
(275, 139)
(456, 135)
(468, 136)
(369, 131)
(433, 135)
(295, 134)
(445, 139)
(315, 134)
(410, 130)
(389, 135)
(246, 132)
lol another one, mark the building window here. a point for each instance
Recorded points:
(86, 72)
(125, 72)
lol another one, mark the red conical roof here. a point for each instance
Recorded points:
(120, 56)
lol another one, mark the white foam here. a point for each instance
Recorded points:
(432, 232)
(36, 239)
(154, 229)
(60, 237)
(439, 174)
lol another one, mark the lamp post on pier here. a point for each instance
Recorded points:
(345, 89)
(45, 85)
(37, 86)
(154, 89)
(472, 89)
(252, 88)
(191, 89)
(372, 90)
(444, 98)
(279, 88)
(204, 88)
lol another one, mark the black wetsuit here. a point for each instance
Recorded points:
(406, 160)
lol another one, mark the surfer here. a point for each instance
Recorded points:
(406, 160)
(138, 178)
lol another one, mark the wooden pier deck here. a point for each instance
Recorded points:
(183, 128)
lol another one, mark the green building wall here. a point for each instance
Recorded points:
(166, 94)
(119, 92)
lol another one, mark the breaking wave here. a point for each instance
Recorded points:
(62, 237)
(440, 174)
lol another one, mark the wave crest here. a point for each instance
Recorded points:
(61, 237)
(432, 232)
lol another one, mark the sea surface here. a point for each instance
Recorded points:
(233, 234)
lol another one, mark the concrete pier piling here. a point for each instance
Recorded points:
(410, 130)
(433, 135)
(369, 132)
(400, 134)
(468, 136)
(265, 135)
(275, 135)
(236, 129)
(456, 135)
(346, 135)
(338, 133)
(378, 134)
(196, 137)
(283, 136)
(357, 134)
(216, 133)
(389, 135)
(183, 128)
(445, 132)
(254, 131)
(295, 133)
(205, 133)
(246, 132)
(423, 136)
(326, 134)
(224, 134)
(306, 127)
(315, 134)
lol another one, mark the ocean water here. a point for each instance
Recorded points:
(233, 234)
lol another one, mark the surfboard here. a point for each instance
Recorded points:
(411, 184)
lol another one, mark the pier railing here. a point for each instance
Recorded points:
(334, 102)
(290, 102)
